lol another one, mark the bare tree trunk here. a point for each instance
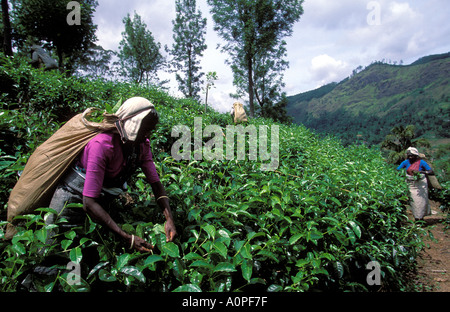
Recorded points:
(7, 44)
(250, 87)
(206, 100)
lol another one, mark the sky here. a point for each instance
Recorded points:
(331, 39)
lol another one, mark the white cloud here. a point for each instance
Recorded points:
(331, 15)
(325, 69)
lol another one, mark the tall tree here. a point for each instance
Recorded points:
(50, 21)
(139, 53)
(98, 62)
(254, 32)
(189, 30)
(399, 140)
(7, 42)
(269, 66)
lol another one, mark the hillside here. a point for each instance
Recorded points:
(368, 104)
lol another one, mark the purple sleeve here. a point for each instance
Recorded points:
(148, 166)
(95, 168)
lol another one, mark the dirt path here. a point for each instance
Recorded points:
(433, 270)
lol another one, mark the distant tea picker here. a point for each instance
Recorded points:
(238, 114)
(417, 171)
(86, 162)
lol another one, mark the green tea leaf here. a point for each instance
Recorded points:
(351, 235)
(268, 254)
(133, 271)
(171, 249)
(274, 288)
(192, 256)
(122, 260)
(247, 268)
(70, 235)
(76, 255)
(188, 288)
(152, 259)
(65, 243)
(106, 276)
(117, 106)
(41, 235)
(313, 236)
(355, 227)
(336, 201)
(220, 248)
(339, 268)
(224, 267)
(201, 264)
(295, 238)
(97, 267)
(210, 229)
(246, 251)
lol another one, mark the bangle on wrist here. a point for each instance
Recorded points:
(132, 241)
(162, 197)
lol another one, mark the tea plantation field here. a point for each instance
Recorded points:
(326, 218)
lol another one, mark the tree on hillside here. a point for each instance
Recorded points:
(98, 63)
(47, 20)
(254, 32)
(268, 79)
(139, 53)
(398, 141)
(189, 29)
(278, 111)
(210, 78)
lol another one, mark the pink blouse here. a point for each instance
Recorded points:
(102, 158)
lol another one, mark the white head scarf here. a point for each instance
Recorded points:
(412, 151)
(130, 115)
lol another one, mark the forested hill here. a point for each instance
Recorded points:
(368, 104)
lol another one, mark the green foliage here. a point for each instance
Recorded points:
(254, 32)
(189, 30)
(46, 20)
(399, 140)
(139, 54)
(97, 63)
(312, 224)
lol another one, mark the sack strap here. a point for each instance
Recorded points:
(110, 122)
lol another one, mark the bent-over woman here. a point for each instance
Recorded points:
(104, 165)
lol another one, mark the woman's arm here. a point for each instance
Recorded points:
(163, 202)
(426, 169)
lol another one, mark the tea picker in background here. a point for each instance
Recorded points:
(104, 165)
(40, 58)
(416, 172)
(238, 113)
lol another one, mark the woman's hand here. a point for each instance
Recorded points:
(170, 229)
(140, 244)
(163, 202)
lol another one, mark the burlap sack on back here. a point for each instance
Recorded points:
(433, 182)
(49, 162)
(239, 112)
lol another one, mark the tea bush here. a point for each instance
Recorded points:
(314, 223)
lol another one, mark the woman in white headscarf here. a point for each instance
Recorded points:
(104, 165)
(416, 171)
